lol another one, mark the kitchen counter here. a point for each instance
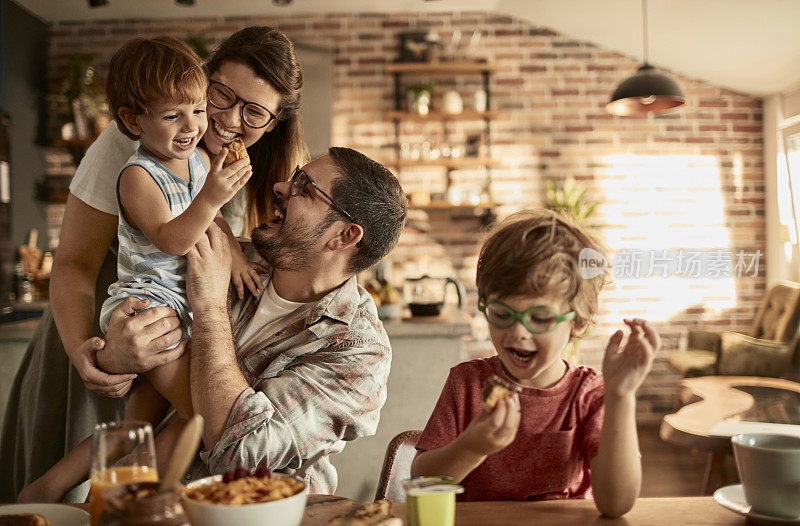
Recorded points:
(18, 331)
(453, 325)
(14, 338)
(424, 349)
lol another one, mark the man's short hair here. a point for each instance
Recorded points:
(373, 196)
(148, 70)
(537, 252)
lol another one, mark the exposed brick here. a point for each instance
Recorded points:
(712, 104)
(748, 129)
(552, 90)
(527, 68)
(395, 24)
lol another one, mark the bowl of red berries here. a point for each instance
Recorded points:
(242, 497)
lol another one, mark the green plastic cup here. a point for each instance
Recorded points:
(431, 501)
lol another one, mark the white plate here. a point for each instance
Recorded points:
(58, 514)
(732, 497)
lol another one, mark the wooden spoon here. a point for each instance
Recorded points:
(183, 453)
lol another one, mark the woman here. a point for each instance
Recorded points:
(254, 96)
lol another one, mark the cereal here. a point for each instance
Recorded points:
(246, 490)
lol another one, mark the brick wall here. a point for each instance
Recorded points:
(688, 181)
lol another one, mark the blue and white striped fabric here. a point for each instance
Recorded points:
(143, 271)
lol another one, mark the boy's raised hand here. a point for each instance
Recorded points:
(624, 369)
(223, 183)
(491, 431)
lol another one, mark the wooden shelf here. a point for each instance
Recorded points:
(439, 116)
(461, 162)
(447, 205)
(436, 68)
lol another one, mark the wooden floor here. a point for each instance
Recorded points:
(671, 471)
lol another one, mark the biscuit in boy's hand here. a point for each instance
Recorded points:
(495, 389)
(236, 151)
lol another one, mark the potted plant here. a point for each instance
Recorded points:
(420, 97)
(570, 200)
(82, 97)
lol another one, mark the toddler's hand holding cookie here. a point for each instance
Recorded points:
(230, 171)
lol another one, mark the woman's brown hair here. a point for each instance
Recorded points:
(270, 54)
(538, 252)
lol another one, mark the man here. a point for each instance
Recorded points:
(309, 367)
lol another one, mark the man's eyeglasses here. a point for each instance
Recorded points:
(254, 115)
(300, 179)
(538, 320)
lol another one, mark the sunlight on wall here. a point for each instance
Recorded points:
(668, 209)
(786, 208)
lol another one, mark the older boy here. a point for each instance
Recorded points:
(544, 442)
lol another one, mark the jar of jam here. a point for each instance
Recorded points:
(141, 504)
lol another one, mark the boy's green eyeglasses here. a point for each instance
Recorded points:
(538, 320)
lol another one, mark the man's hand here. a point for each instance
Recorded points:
(624, 369)
(111, 385)
(208, 272)
(136, 339)
(490, 432)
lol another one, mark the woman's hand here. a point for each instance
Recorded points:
(137, 340)
(223, 183)
(625, 369)
(492, 431)
(244, 273)
(110, 385)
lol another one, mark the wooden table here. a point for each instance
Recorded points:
(697, 511)
(708, 400)
(701, 511)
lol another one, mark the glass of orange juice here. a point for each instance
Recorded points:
(122, 453)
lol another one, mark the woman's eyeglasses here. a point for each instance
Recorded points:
(300, 179)
(538, 320)
(254, 115)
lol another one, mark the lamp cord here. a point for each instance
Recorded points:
(644, 29)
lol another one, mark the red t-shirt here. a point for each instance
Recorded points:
(559, 433)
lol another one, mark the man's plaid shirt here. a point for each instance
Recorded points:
(318, 378)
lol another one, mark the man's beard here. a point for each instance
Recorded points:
(292, 247)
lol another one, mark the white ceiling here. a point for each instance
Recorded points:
(752, 46)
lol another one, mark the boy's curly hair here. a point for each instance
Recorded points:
(536, 252)
(147, 70)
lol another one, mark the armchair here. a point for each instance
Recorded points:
(767, 350)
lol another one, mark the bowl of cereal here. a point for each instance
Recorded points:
(244, 499)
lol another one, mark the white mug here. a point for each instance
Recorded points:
(769, 468)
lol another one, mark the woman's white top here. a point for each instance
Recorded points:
(95, 180)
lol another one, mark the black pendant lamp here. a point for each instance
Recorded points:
(648, 91)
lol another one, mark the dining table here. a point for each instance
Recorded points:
(711, 409)
(701, 511)
(661, 511)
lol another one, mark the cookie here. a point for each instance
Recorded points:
(495, 389)
(378, 513)
(236, 151)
